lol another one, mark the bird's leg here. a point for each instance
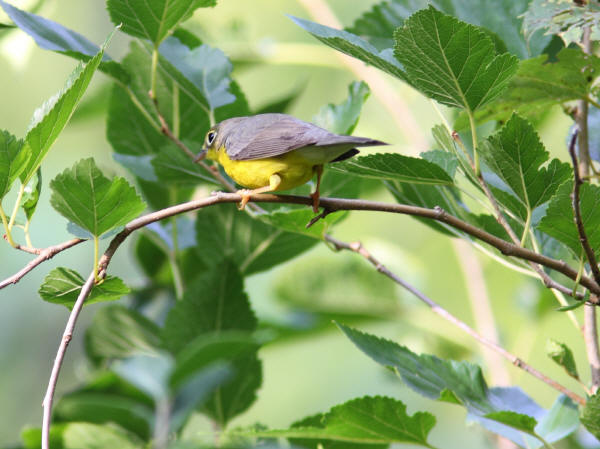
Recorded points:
(315, 195)
(274, 181)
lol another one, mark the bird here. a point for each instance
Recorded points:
(273, 151)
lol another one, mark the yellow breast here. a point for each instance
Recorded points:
(293, 169)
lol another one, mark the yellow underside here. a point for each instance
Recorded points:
(293, 169)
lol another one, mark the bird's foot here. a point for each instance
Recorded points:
(245, 198)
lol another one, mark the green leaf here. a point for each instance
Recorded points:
(366, 420)
(13, 160)
(342, 118)
(149, 373)
(93, 436)
(152, 19)
(83, 195)
(562, 355)
(574, 305)
(207, 69)
(517, 421)
(214, 303)
(563, 18)
(590, 417)
(446, 161)
(225, 232)
(31, 194)
(450, 61)
(32, 437)
(516, 154)
(541, 83)
(295, 220)
(561, 420)
(117, 332)
(559, 219)
(101, 408)
(378, 24)
(53, 36)
(50, 119)
(62, 286)
(395, 167)
(433, 377)
(353, 45)
(172, 166)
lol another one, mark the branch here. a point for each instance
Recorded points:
(43, 255)
(358, 248)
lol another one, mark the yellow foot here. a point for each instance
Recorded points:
(245, 198)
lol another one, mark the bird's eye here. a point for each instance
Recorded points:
(210, 137)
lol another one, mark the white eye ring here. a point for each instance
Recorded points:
(210, 137)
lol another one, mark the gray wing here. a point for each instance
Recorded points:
(268, 135)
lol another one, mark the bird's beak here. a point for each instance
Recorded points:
(200, 156)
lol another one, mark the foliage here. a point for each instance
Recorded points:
(187, 341)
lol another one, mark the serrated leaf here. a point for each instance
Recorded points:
(563, 18)
(559, 219)
(62, 286)
(353, 45)
(590, 417)
(207, 69)
(342, 118)
(31, 194)
(540, 83)
(366, 420)
(50, 119)
(118, 332)
(100, 408)
(13, 160)
(152, 19)
(378, 24)
(395, 167)
(516, 155)
(450, 61)
(562, 355)
(93, 436)
(225, 232)
(83, 195)
(53, 36)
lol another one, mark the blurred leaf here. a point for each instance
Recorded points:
(450, 61)
(31, 194)
(367, 420)
(435, 378)
(280, 105)
(353, 45)
(50, 119)
(296, 220)
(202, 72)
(173, 166)
(396, 167)
(140, 166)
(563, 18)
(62, 286)
(561, 420)
(152, 19)
(378, 24)
(516, 154)
(93, 436)
(225, 232)
(216, 301)
(118, 332)
(32, 437)
(562, 355)
(574, 305)
(559, 219)
(87, 198)
(101, 408)
(53, 36)
(13, 160)
(342, 118)
(541, 83)
(590, 417)
(152, 259)
(148, 373)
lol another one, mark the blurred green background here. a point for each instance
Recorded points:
(273, 58)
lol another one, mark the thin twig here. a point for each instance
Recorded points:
(44, 255)
(358, 248)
